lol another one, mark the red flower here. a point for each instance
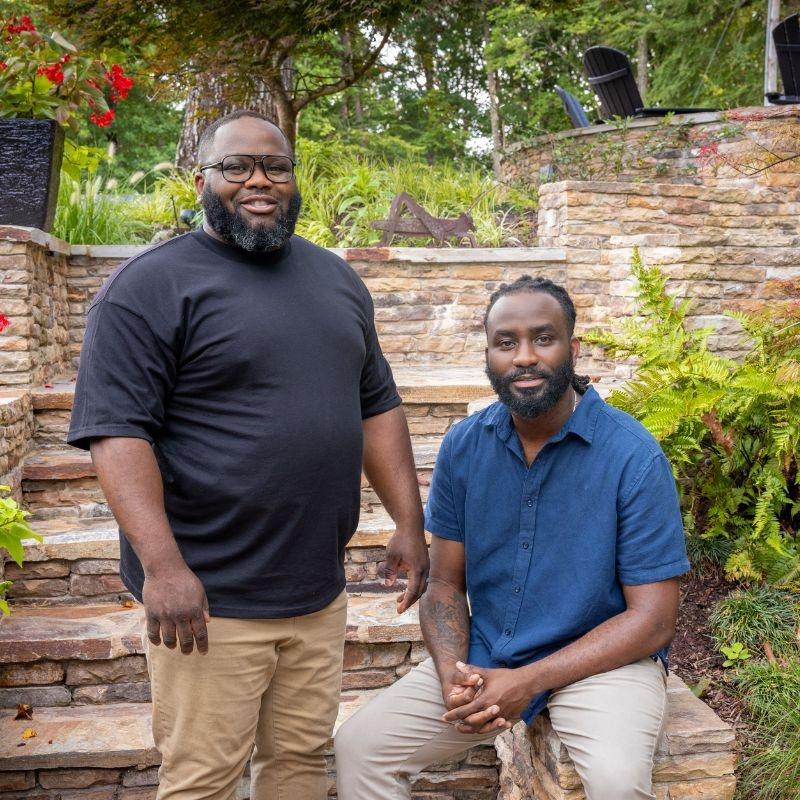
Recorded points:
(65, 58)
(4, 322)
(53, 73)
(3, 65)
(122, 83)
(25, 24)
(103, 120)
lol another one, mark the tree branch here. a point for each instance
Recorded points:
(346, 81)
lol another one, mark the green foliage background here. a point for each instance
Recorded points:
(730, 429)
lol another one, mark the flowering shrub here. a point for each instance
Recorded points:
(43, 76)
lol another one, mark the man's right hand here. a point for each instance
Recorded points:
(176, 608)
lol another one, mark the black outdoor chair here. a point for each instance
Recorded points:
(786, 36)
(573, 108)
(611, 77)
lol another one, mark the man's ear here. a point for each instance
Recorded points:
(199, 183)
(575, 348)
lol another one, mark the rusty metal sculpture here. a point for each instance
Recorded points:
(421, 223)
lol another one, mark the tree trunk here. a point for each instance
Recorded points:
(347, 71)
(641, 66)
(212, 97)
(496, 120)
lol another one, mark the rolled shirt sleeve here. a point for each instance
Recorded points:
(651, 545)
(124, 377)
(378, 390)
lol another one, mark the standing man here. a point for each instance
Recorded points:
(231, 385)
(557, 516)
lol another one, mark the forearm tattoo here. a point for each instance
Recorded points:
(444, 618)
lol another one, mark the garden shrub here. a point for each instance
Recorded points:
(756, 615)
(731, 429)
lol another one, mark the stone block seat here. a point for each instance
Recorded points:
(695, 758)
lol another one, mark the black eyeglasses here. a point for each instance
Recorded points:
(240, 168)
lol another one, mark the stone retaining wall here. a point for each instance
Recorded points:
(428, 302)
(33, 295)
(16, 432)
(725, 247)
(662, 149)
(729, 246)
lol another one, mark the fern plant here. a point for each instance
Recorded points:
(731, 429)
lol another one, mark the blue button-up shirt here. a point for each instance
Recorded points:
(549, 547)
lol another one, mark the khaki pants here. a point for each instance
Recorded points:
(609, 723)
(269, 687)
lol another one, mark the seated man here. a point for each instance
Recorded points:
(557, 516)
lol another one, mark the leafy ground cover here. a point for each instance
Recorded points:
(343, 192)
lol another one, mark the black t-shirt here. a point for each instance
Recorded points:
(250, 375)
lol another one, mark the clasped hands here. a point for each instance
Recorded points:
(483, 700)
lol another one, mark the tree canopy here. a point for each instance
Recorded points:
(435, 81)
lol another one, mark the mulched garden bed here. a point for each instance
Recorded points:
(693, 656)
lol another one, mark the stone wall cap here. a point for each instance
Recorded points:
(19, 233)
(452, 255)
(697, 118)
(109, 250)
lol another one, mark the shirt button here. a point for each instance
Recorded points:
(507, 631)
(529, 502)
(517, 589)
(524, 545)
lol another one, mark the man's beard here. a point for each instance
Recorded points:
(532, 402)
(254, 238)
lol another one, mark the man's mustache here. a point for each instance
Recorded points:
(527, 373)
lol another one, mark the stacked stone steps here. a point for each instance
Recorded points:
(78, 561)
(60, 481)
(434, 397)
(91, 711)
(94, 654)
(107, 753)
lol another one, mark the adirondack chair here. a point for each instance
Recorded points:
(786, 36)
(611, 77)
(573, 108)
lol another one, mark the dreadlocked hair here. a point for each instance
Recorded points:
(527, 283)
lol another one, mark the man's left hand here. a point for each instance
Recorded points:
(407, 552)
(503, 695)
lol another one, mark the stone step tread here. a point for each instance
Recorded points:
(100, 736)
(73, 538)
(120, 735)
(416, 384)
(56, 462)
(108, 631)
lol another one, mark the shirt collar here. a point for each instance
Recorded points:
(581, 423)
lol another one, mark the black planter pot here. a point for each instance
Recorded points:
(30, 169)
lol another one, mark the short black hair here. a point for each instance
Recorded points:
(527, 283)
(207, 136)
